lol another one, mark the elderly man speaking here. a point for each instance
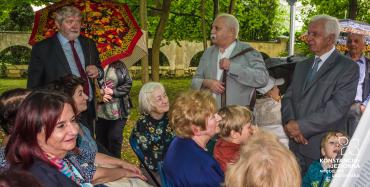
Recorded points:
(240, 66)
(321, 93)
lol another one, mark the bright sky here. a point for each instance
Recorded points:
(36, 8)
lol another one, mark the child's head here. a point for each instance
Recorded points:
(153, 99)
(332, 143)
(236, 123)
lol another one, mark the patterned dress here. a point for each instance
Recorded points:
(86, 157)
(153, 137)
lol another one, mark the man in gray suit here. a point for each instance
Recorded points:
(321, 93)
(245, 71)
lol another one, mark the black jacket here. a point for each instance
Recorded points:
(49, 176)
(123, 87)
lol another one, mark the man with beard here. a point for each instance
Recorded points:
(67, 52)
(243, 66)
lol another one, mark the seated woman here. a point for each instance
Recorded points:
(108, 168)
(194, 118)
(45, 131)
(10, 101)
(264, 162)
(152, 132)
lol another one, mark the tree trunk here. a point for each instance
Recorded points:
(202, 12)
(352, 9)
(232, 6)
(158, 39)
(144, 26)
(215, 8)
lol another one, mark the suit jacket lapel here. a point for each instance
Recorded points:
(214, 63)
(60, 53)
(237, 49)
(85, 45)
(328, 64)
(366, 85)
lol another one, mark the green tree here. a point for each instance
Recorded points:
(338, 8)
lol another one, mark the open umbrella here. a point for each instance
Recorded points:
(111, 25)
(349, 26)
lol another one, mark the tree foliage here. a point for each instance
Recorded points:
(336, 8)
(20, 18)
(259, 20)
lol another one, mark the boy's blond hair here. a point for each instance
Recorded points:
(234, 117)
(330, 134)
(264, 162)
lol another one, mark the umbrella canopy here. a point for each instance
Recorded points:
(111, 25)
(349, 26)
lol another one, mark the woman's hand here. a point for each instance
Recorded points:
(108, 92)
(131, 174)
(130, 167)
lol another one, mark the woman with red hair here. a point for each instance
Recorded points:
(45, 130)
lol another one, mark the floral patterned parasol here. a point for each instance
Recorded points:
(111, 25)
(348, 26)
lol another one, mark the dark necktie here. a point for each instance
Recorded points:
(314, 69)
(80, 68)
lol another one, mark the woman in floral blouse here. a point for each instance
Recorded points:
(152, 132)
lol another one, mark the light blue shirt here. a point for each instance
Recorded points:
(71, 61)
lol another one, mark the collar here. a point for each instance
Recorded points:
(361, 60)
(229, 49)
(63, 40)
(326, 55)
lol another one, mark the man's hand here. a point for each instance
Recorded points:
(362, 108)
(92, 71)
(292, 130)
(300, 139)
(224, 64)
(214, 85)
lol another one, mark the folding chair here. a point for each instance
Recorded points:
(135, 147)
(164, 181)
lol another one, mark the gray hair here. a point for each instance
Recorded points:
(231, 21)
(145, 96)
(66, 11)
(331, 24)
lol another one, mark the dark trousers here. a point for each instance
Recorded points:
(354, 116)
(109, 134)
(303, 161)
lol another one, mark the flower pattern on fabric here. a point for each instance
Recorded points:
(154, 137)
(86, 157)
(4, 165)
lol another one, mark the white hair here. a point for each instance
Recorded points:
(65, 12)
(231, 21)
(331, 24)
(146, 105)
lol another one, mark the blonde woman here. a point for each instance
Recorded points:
(264, 162)
(194, 118)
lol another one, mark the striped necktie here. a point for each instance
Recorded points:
(314, 69)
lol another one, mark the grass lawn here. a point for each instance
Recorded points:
(173, 87)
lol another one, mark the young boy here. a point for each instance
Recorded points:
(235, 128)
(320, 172)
